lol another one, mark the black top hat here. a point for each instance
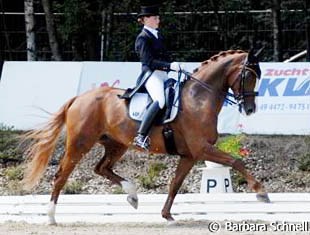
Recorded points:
(149, 8)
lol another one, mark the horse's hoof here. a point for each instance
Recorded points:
(263, 197)
(52, 222)
(171, 222)
(133, 201)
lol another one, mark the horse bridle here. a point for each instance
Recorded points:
(251, 67)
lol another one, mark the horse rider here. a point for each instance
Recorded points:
(156, 64)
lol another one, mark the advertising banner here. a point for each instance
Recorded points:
(283, 105)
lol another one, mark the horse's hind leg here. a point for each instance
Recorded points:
(113, 152)
(213, 154)
(75, 150)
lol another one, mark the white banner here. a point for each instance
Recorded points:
(115, 74)
(28, 87)
(283, 104)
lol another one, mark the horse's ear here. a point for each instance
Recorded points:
(251, 56)
(251, 51)
(259, 51)
(255, 57)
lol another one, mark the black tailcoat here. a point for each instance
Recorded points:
(153, 56)
(152, 51)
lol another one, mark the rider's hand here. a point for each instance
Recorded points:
(175, 66)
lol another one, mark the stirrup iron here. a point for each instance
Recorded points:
(142, 142)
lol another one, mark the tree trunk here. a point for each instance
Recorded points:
(277, 38)
(106, 28)
(92, 37)
(6, 36)
(51, 30)
(30, 34)
(77, 47)
(105, 34)
(220, 24)
(91, 46)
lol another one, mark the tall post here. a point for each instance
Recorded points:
(277, 30)
(103, 34)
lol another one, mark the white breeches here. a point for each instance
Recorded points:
(155, 87)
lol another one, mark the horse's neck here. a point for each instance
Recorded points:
(204, 93)
(215, 76)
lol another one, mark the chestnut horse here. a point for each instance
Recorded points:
(100, 116)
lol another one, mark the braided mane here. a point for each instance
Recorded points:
(219, 55)
(222, 54)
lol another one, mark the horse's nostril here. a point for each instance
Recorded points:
(249, 111)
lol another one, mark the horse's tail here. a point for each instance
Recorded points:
(42, 144)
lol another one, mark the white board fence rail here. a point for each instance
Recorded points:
(290, 207)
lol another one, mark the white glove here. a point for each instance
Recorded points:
(175, 66)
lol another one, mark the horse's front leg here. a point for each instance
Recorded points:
(184, 166)
(211, 153)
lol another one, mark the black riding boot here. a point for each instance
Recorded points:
(142, 140)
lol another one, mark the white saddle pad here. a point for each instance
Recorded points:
(140, 101)
(138, 104)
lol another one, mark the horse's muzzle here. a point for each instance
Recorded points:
(249, 109)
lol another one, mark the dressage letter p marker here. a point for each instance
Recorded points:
(227, 184)
(211, 183)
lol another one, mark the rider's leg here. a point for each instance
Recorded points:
(169, 97)
(141, 140)
(155, 87)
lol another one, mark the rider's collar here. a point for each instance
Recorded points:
(153, 31)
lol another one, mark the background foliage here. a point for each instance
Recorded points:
(195, 30)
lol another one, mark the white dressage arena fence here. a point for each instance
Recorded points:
(289, 207)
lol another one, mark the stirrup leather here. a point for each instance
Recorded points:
(142, 141)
